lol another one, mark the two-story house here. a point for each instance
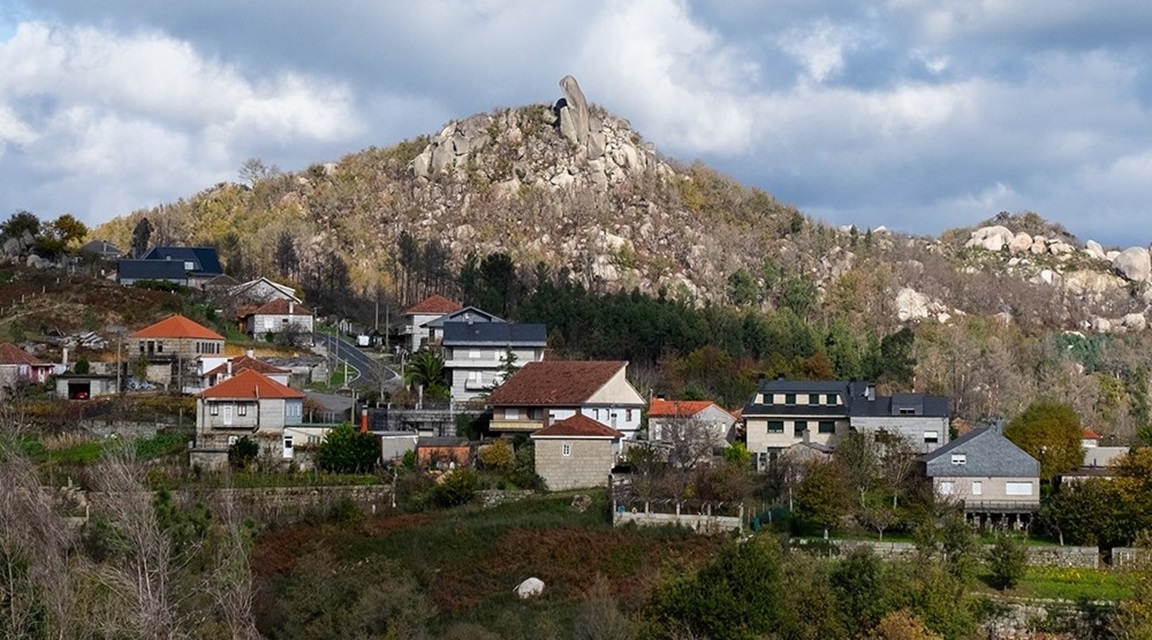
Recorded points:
(576, 453)
(247, 404)
(172, 346)
(783, 413)
(467, 314)
(415, 335)
(217, 373)
(189, 266)
(18, 366)
(477, 355)
(541, 393)
(280, 316)
(987, 472)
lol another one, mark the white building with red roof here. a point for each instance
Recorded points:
(247, 404)
(542, 393)
(230, 367)
(415, 334)
(669, 417)
(576, 453)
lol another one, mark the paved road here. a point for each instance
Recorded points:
(368, 370)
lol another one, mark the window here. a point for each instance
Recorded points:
(474, 354)
(159, 347)
(189, 266)
(947, 488)
(790, 399)
(628, 415)
(241, 409)
(826, 426)
(907, 411)
(931, 437)
(831, 399)
(566, 449)
(213, 409)
(977, 487)
(141, 346)
(814, 398)
(1018, 488)
(511, 414)
(800, 427)
(775, 426)
(959, 458)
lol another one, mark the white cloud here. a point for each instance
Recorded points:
(820, 47)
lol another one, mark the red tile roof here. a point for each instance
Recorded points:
(661, 408)
(1089, 434)
(249, 385)
(577, 426)
(177, 326)
(434, 304)
(280, 307)
(555, 382)
(241, 363)
(11, 354)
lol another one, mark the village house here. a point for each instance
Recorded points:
(477, 355)
(20, 367)
(987, 473)
(576, 453)
(542, 393)
(169, 348)
(262, 290)
(218, 371)
(414, 334)
(783, 413)
(467, 314)
(668, 417)
(280, 316)
(247, 404)
(187, 266)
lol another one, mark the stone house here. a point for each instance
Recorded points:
(170, 348)
(247, 404)
(576, 453)
(277, 316)
(986, 472)
(542, 393)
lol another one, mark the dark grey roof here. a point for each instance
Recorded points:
(495, 333)
(855, 400)
(151, 270)
(901, 404)
(464, 315)
(441, 441)
(204, 259)
(101, 248)
(987, 454)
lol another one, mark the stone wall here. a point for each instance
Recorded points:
(1130, 557)
(276, 504)
(1046, 556)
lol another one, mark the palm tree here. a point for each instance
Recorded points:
(426, 369)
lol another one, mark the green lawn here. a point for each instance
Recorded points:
(1070, 583)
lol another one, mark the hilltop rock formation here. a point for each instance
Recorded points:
(1134, 264)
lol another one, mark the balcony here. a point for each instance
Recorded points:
(523, 426)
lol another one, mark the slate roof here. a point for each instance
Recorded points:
(177, 326)
(11, 354)
(204, 259)
(280, 307)
(240, 363)
(433, 304)
(578, 426)
(987, 453)
(249, 385)
(853, 397)
(555, 382)
(464, 315)
(101, 248)
(151, 270)
(495, 333)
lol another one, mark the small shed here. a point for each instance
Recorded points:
(75, 386)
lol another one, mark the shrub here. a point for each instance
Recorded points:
(1008, 560)
(455, 488)
(242, 454)
(346, 450)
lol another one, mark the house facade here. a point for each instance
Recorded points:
(247, 404)
(189, 266)
(576, 453)
(18, 366)
(666, 417)
(986, 472)
(278, 316)
(476, 354)
(541, 393)
(783, 413)
(414, 334)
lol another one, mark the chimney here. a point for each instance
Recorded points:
(291, 307)
(64, 357)
(364, 420)
(250, 353)
(870, 392)
(229, 363)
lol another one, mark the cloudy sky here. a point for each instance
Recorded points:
(920, 115)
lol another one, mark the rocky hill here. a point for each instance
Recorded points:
(568, 185)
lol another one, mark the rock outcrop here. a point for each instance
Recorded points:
(1133, 264)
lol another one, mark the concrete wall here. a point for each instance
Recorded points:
(701, 523)
(587, 465)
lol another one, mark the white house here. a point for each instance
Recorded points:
(542, 393)
(665, 415)
(278, 316)
(476, 353)
(416, 334)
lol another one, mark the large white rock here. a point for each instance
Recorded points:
(1134, 264)
(991, 238)
(530, 588)
(912, 305)
(1020, 243)
(1135, 322)
(1094, 249)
